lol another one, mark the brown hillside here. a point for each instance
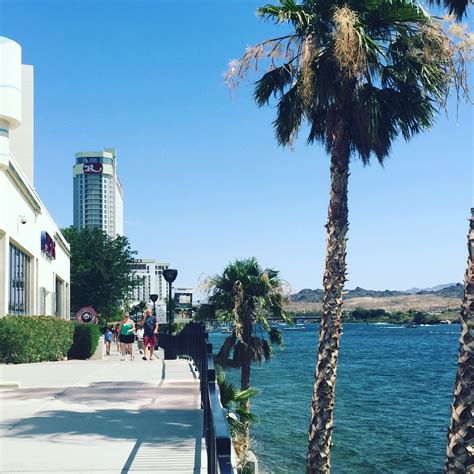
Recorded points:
(430, 303)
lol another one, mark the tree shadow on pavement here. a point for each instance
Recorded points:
(149, 425)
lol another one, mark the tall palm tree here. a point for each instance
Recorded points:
(460, 452)
(247, 296)
(361, 73)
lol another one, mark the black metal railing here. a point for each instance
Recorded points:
(193, 342)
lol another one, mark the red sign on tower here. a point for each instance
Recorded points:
(91, 168)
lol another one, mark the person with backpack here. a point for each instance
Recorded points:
(150, 331)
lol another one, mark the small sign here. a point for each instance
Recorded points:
(91, 168)
(48, 245)
(161, 314)
(183, 300)
(87, 315)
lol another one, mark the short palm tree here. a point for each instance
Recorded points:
(360, 73)
(460, 452)
(247, 296)
(234, 400)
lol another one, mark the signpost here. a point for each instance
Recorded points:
(87, 315)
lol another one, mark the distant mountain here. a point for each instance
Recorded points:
(308, 296)
(453, 290)
(361, 292)
(413, 291)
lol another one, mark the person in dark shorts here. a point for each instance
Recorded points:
(127, 336)
(150, 327)
(108, 339)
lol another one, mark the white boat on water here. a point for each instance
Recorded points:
(289, 327)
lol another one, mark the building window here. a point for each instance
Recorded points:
(19, 279)
(59, 297)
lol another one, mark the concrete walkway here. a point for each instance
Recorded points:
(105, 416)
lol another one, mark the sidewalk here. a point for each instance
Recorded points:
(105, 416)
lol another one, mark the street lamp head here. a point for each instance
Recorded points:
(153, 298)
(170, 275)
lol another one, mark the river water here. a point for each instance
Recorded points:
(393, 395)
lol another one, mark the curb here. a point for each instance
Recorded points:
(12, 384)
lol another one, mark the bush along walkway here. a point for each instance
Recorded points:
(102, 416)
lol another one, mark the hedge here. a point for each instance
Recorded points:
(26, 339)
(86, 338)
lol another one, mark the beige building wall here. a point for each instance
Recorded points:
(22, 138)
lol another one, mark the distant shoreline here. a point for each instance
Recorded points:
(380, 315)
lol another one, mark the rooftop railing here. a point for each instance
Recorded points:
(193, 342)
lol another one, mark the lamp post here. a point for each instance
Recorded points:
(154, 298)
(170, 276)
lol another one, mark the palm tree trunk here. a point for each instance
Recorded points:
(245, 377)
(222, 356)
(320, 430)
(460, 451)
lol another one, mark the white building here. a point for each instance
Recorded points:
(153, 282)
(98, 194)
(34, 256)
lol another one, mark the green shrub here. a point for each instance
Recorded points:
(86, 338)
(171, 328)
(26, 339)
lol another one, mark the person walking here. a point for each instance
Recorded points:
(140, 333)
(117, 336)
(127, 336)
(108, 339)
(150, 331)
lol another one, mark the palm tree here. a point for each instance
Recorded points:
(233, 400)
(460, 455)
(247, 296)
(361, 73)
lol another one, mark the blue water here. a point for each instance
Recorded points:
(393, 396)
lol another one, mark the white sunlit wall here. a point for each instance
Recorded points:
(34, 256)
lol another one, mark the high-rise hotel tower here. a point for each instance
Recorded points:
(98, 195)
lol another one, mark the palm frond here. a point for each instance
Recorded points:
(290, 112)
(276, 337)
(245, 415)
(272, 83)
(244, 395)
(267, 351)
(458, 8)
(288, 12)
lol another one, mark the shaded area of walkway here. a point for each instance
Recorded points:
(102, 416)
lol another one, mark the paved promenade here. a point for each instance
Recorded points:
(106, 416)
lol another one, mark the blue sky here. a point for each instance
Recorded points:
(204, 180)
